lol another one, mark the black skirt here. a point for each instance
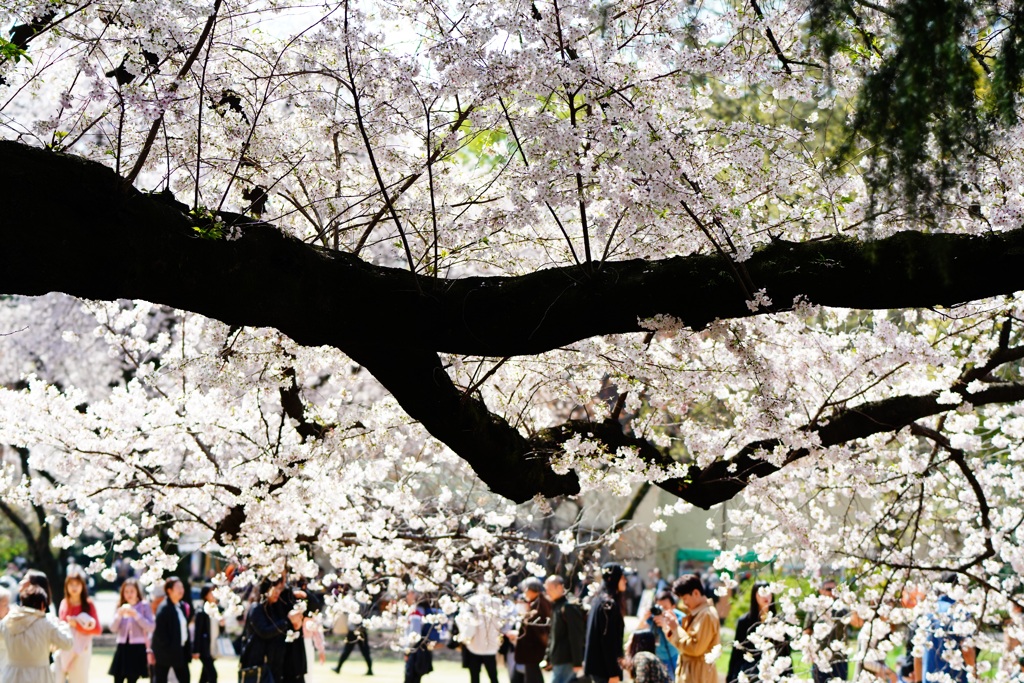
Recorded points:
(129, 662)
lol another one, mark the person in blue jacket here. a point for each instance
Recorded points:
(652, 620)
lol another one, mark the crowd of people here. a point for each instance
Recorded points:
(548, 629)
(678, 636)
(44, 643)
(545, 635)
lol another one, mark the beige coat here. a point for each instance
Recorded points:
(30, 635)
(696, 636)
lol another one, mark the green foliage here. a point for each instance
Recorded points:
(1007, 75)
(12, 543)
(919, 109)
(12, 51)
(938, 91)
(207, 225)
(482, 147)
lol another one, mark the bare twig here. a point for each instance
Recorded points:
(185, 68)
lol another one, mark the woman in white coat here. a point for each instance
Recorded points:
(30, 634)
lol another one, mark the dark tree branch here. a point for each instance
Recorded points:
(783, 59)
(509, 463)
(295, 409)
(724, 479)
(984, 511)
(14, 518)
(112, 242)
(86, 233)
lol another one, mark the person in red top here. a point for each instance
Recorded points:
(78, 610)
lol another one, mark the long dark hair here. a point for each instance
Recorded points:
(611, 574)
(642, 641)
(267, 583)
(755, 609)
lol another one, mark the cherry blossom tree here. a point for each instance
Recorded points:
(421, 257)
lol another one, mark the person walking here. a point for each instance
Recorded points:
(78, 610)
(947, 656)
(531, 640)
(830, 659)
(696, 635)
(568, 633)
(30, 634)
(419, 660)
(641, 662)
(206, 627)
(657, 583)
(268, 625)
(171, 645)
(746, 656)
(313, 644)
(355, 636)
(606, 627)
(133, 623)
(480, 625)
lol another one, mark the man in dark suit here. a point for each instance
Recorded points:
(172, 648)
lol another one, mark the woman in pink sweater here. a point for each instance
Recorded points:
(132, 624)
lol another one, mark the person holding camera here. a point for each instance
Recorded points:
(696, 635)
(654, 620)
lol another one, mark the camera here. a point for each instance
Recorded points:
(655, 610)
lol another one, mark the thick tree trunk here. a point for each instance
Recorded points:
(38, 535)
(73, 226)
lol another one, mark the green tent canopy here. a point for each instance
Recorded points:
(707, 555)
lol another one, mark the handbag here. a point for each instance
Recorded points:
(423, 662)
(255, 674)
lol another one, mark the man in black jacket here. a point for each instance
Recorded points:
(532, 638)
(568, 631)
(273, 629)
(172, 648)
(204, 636)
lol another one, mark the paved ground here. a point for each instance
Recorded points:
(387, 667)
(385, 670)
